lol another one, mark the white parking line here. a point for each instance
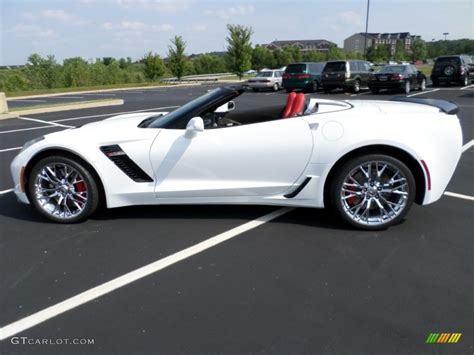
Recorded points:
(467, 87)
(112, 285)
(3, 193)
(467, 145)
(26, 100)
(66, 97)
(363, 93)
(43, 121)
(423, 92)
(464, 197)
(10, 149)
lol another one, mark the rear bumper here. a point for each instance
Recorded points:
(333, 84)
(386, 84)
(260, 85)
(296, 85)
(447, 79)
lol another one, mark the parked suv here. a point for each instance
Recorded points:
(306, 76)
(345, 74)
(453, 68)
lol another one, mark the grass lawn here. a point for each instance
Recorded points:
(34, 107)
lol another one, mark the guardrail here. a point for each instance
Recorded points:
(197, 78)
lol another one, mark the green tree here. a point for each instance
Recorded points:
(418, 50)
(282, 58)
(76, 72)
(206, 64)
(313, 56)
(42, 72)
(154, 67)
(262, 57)
(177, 60)
(400, 52)
(335, 53)
(294, 52)
(239, 49)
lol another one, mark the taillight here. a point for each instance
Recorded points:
(348, 74)
(372, 77)
(286, 76)
(303, 76)
(397, 77)
(461, 70)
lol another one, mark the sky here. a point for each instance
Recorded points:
(129, 28)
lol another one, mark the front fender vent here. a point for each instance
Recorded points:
(124, 163)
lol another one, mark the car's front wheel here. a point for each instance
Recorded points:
(275, 87)
(407, 87)
(373, 191)
(63, 190)
(423, 85)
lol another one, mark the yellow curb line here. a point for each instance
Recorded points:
(66, 107)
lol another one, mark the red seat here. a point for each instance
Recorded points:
(298, 104)
(289, 105)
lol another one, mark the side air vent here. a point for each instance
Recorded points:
(299, 188)
(124, 163)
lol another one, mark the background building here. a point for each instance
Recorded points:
(355, 43)
(318, 45)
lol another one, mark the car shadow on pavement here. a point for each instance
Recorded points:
(312, 217)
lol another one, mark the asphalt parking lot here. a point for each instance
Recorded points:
(300, 283)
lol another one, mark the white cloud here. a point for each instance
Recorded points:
(228, 13)
(62, 16)
(33, 31)
(350, 18)
(162, 28)
(199, 28)
(136, 27)
(165, 6)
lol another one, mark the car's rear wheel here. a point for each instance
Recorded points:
(314, 87)
(373, 191)
(375, 91)
(275, 87)
(63, 190)
(356, 87)
(423, 85)
(407, 87)
(465, 81)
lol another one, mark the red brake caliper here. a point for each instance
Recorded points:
(80, 186)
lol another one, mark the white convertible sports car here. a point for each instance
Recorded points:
(367, 160)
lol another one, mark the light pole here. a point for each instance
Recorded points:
(366, 29)
(445, 34)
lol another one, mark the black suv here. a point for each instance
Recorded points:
(346, 74)
(453, 68)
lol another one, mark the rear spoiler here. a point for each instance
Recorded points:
(448, 107)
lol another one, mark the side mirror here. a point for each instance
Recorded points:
(371, 69)
(195, 125)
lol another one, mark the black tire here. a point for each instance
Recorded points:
(337, 183)
(407, 87)
(327, 90)
(375, 91)
(356, 87)
(288, 90)
(91, 188)
(255, 90)
(435, 83)
(314, 87)
(465, 80)
(275, 87)
(422, 85)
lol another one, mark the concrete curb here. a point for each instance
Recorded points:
(99, 91)
(66, 107)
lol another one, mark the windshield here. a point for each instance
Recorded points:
(335, 66)
(295, 68)
(392, 69)
(447, 60)
(264, 74)
(208, 102)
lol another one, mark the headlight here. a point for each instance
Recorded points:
(30, 143)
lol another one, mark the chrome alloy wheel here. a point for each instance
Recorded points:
(60, 190)
(374, 193)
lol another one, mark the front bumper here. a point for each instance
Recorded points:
(16, 168)
(257, 85)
